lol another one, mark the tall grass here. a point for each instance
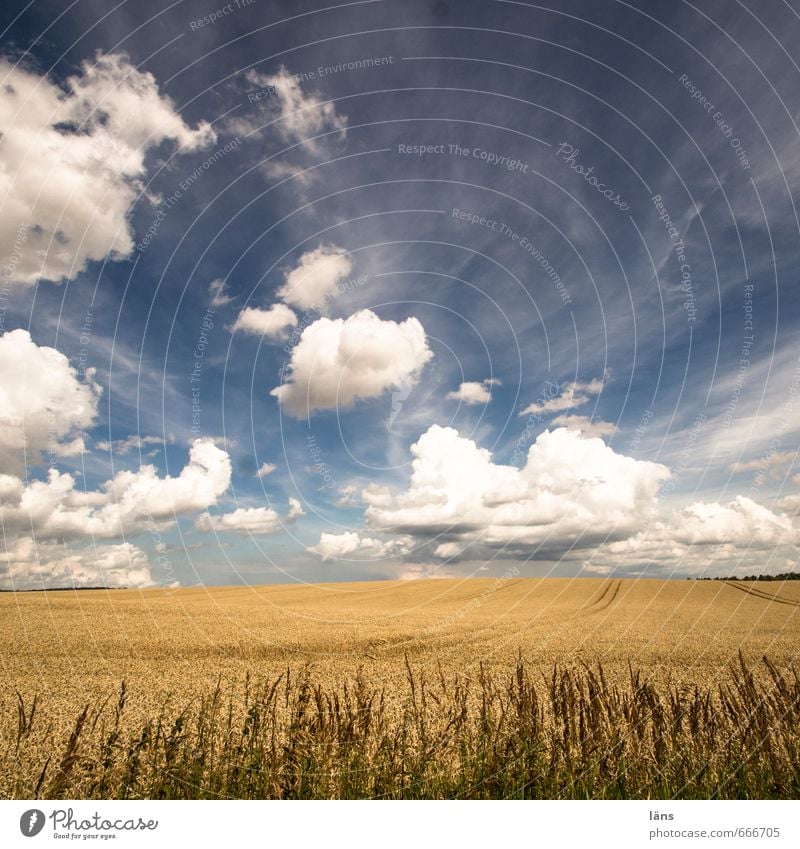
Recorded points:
(567, 734)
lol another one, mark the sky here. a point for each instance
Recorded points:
(315, 292)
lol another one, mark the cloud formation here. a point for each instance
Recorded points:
(272, 323)
(73, 161)
(298, 119)
(295, 510)
(218, 294)
(244, 520)
(572, 491)
(44, 406)
(298, 116)
(701, 538)
(336, 362)
(130, 503)
(315, 277)
(574, 500)
(36, 565)
(352, 546)
(134, 443)
(473, 393)
(250, 520)
(587, 426)
(741, 522)
(776, 463)
(573, 394)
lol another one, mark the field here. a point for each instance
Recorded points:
(438, 688)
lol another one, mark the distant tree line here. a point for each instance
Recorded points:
(783, 576)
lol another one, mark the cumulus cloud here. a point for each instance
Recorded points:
(133, 501)
(272, 323)
(339, 361)
(244, 520)
(295, 509)
(741, 521)
(265, 469)
(250, 520)
(791, 503)
(587, 426)
(44, 406)
(573, 394)
(353, 546)
(315, 277)
(701, 538)
(35, 565)
(575, 500)
(572, 490)
(72, 163)
(473, 392)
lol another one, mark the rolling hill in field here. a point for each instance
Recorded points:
(438, 688)
(82, 642)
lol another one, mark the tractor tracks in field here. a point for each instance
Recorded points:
(762, 594)
(607, 597)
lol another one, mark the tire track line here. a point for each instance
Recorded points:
(606, 598)
(761, 594)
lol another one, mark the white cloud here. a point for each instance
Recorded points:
(575, 499)
(424, 572)
(776, 462)
(296, 116)
(315, 277)
(302, 175)
(218, 294)
(128, 504)
(587, 426)
(349, 496)
(295, 510)
(134, 443)
(741, 521)
(353, 546)
(44, 406)
(472, 392)
(244, 520)
(250, 520)
(303, 121)
(31, 565)
(72, 163)
(272, 323)
(573, 394)
(702, 538)
(790, 504)
(572, 490)
(339, 361)
(266, 469)
(737, 422)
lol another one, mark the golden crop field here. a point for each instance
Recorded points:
(173, 648)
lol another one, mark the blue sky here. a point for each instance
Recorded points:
(308, 292)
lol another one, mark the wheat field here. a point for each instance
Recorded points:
(423, 685)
